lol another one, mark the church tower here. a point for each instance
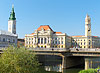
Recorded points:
(12, 22)
(87, 26)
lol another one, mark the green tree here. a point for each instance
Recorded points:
(18, 60)
(89, 71)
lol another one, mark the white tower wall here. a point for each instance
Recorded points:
(12, 26)
(87, 26)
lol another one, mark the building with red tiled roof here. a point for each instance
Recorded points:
(45, 27)
(45, 37)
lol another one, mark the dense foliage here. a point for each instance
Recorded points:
(89, 71)
(18, 60)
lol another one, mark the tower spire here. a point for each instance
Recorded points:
(12, 15)
(12, 22)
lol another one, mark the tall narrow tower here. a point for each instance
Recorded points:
(12, 22)
(87, 26)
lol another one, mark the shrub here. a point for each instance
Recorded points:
(88, 71)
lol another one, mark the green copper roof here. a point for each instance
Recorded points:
(12, 15)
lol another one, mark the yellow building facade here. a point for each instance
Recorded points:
(45, 37)
(86, 41)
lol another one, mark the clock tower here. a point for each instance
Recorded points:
(87, 26)
(12, 22)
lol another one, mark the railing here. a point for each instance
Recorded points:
(48, 49)
(85, 49)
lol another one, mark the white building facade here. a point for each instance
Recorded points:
(9, 37)
(45, 37)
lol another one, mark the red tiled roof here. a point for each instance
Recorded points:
(82, 36)
(58, 32)
(31, 33)
(78, 36)
(45, 27)
(95, 36)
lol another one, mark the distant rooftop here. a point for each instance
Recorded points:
(45, 27)
(83, 36)
(2, 32)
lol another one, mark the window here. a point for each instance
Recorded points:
(32, 38)
(48, 39)
(62, 42)
(29, 42)
(32, 42)
(3, 39)
(89, 43)
(61, 38)
(35, 39)
(53, 42)
(41, 40)
(41, 46)
(55, 46)
(61, 46)
(13, 40)
(44, 46)
(45, 40)
(84, 43)
(56, 42)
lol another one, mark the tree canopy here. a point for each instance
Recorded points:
(18, 60)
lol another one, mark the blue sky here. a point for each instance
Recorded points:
(62, 15)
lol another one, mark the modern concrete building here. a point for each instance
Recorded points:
(45, 37)
(87, 40)
(9, 37)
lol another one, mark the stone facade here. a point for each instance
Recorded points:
(45, 37)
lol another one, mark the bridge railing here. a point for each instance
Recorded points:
(42, 49)
(48, 49)
(84, 49)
